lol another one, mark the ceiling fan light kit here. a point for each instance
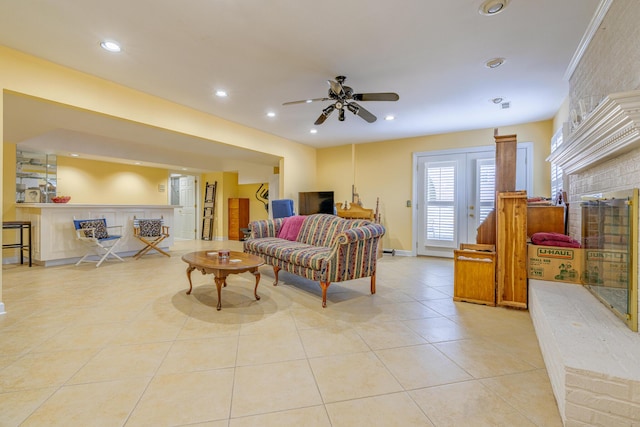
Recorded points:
(344, 97)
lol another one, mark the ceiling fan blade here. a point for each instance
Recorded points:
(362, 112)
(306, 101)
(382, 96)
(325, 113)
(336, 88)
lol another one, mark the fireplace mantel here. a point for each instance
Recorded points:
(611, 129)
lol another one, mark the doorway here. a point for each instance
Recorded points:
(184, 193)
(455, 191)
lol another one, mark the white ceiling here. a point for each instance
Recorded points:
(264, 53)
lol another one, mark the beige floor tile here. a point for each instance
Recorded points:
(95, 404)
(203, 323)
(146, 331)
(314, 416)
(178, 361)
(467, 404)
(352, 376)
(121, 362)
(276, 323)
(184, 398)
(273, 347)
(20, 338)
(40, 370)
(81, 337)
(522, 344)
(421, 366)
(273, 387)
(396, 409)
(405, 311)
(437, 329)
(331, 341)
(16, 406)
(530, 393)
(310, 319)
(379, 335)
(482, 358)
(200, 355)
(219, 423)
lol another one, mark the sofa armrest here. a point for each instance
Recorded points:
(265, 228)
(355, 253)
(363, 232)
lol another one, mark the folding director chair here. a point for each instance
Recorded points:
(94, 234)
(150, 232)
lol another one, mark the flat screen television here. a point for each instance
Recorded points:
(312, 202)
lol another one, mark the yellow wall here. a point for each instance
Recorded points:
(92, 181)
(385, 170)
(9, 181)
(33, 76)
(256, 207)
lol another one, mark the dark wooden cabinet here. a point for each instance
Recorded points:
(238, 217)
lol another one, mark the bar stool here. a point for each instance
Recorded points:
(20, 226)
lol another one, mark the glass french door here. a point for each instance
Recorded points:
(456, 192)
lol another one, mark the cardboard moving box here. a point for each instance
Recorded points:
(555, 263)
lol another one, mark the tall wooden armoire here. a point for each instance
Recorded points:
(506, 227)
(511, 249)
(238, 217)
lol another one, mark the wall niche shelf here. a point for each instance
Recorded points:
(36, 177)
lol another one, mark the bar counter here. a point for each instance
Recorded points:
(54, 237)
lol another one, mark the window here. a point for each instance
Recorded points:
(556, 171)
(486, 182)
(440, 189)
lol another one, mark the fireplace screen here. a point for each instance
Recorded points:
(610, 239)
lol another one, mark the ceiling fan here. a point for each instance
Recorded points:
(345, 98)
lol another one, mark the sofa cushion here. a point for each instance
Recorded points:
(291, 227)
(296, 253)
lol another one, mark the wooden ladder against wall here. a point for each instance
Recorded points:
(209, 212)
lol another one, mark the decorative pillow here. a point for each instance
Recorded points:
(150, 227)
(99, 226)
(291, 227)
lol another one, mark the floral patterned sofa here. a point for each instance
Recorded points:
(324, 248)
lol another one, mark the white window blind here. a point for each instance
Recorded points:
(556, 171)
(440, 200)
(486, 181)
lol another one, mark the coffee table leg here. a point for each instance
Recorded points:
(189, 270)
(255, 290)
(220, 281)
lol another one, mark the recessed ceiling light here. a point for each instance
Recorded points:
(389, 117)
(74, 155)
(309, 101)
(137, 163)
(221, 93)
(184, 169)
(271, 114)
(110, 45)
(497, 100)
(492, 7)
(313, 131)
(494, 63)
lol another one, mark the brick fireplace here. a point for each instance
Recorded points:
(590, 354)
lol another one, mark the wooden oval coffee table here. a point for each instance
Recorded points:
(208, 262)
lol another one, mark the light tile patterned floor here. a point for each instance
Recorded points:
(124, 345)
